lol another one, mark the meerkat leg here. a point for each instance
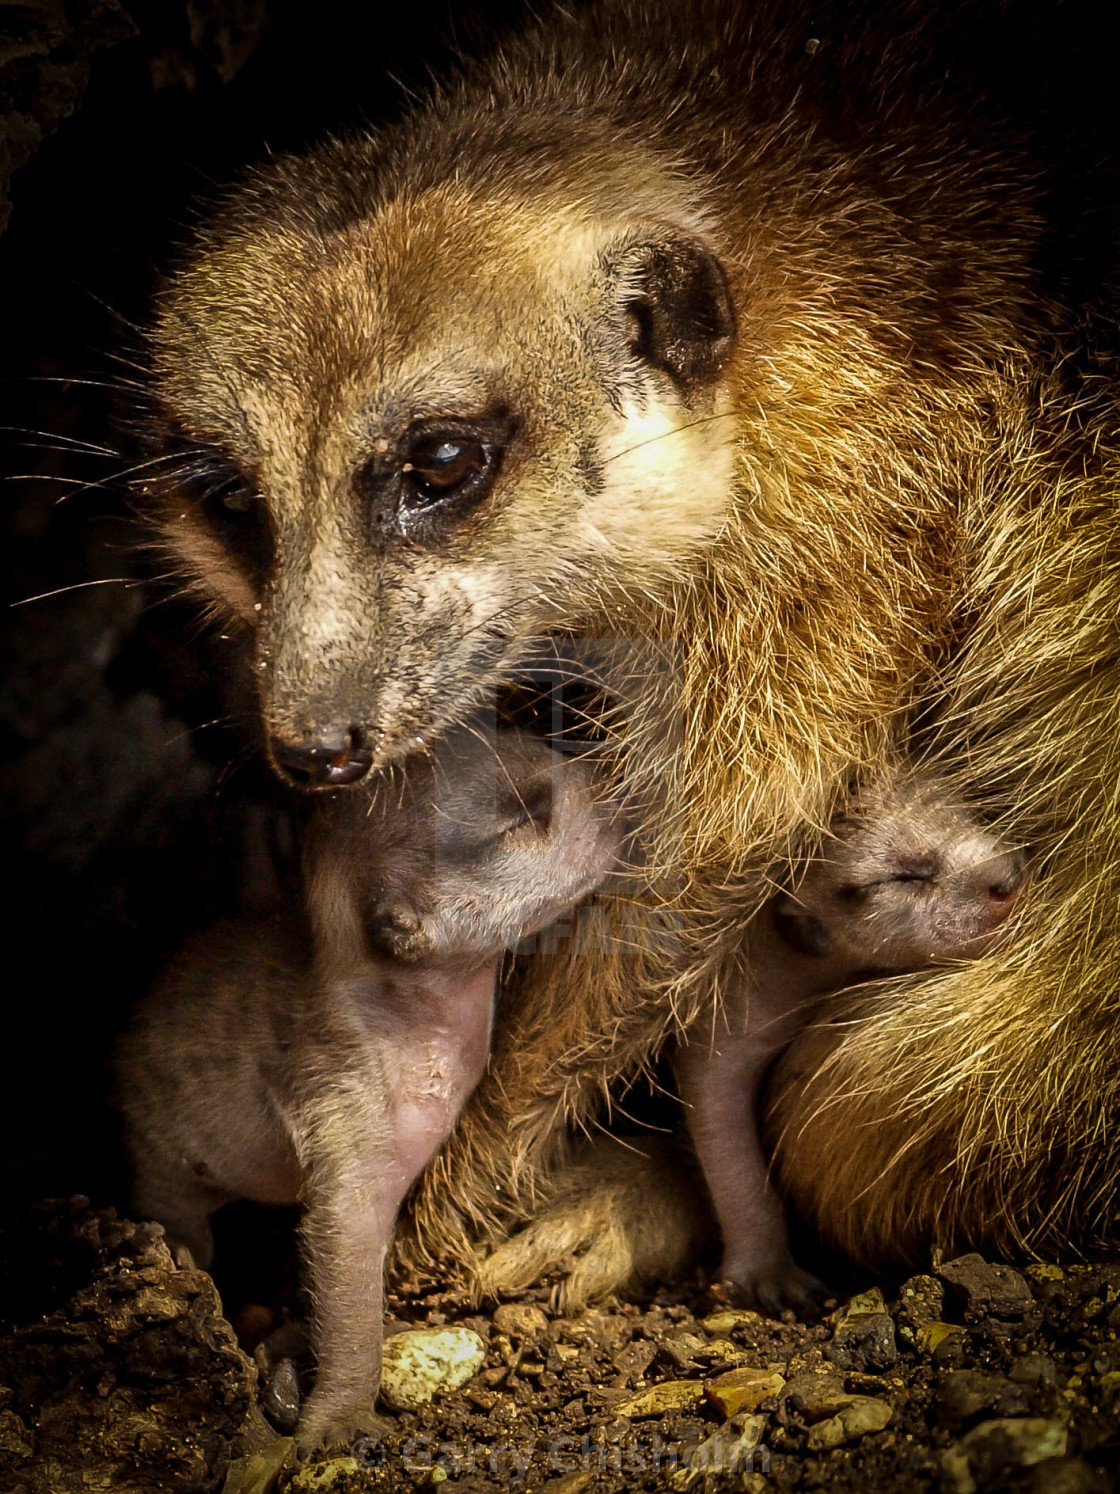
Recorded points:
(346, 1233)
(719, 1082)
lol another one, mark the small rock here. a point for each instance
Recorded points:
(921, 1303)
(930, 1338)
(281, 1397)
(426, 1361)
(520, 1320)
(727, 1451)
(742, 1390)
(720, 1323)
(994, 1447)
(567, 1483)
(864, 1341)
(672, 1395)
(604, 1330)
(862, 1414)
(721, 1348)
(814, 1395)
(632, 1361)
(321, 1478)
(1063, 1476)
(1034, 1369)
(861, 1305)
(983, 1290)
(258, 1474)
(15, 1440)
(966, 1393)
(682, 1350)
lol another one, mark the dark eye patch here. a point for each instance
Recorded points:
(438, 472)
(228, 500)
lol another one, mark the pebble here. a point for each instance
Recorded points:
(321, 1478)
(520, 1320)
(683, 1349)
(921, 1303)
(281, 1397)
(930, 1337)
(727, 1451)
(742, 1390)
(995, 1448)
(258, 1473)
(984, 1290)
(862, 1414)
(423, 1362)
(567, 1483)
(966, 1393)
(814, 1395)
(671, 1395)
(864, 1336)
(632, 1361)
(1034, 1369)
(721, 1323)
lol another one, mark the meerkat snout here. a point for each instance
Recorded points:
(330, 761)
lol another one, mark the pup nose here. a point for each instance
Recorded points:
(1002, 883)
(326, 763)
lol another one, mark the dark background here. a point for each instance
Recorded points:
(127, 818)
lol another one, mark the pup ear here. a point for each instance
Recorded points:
(801, 931)
(677, 302)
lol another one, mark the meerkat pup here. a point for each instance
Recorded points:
(909, 878)
(331, 1076)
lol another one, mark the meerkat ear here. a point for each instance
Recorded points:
(801, 931)
(677, 302)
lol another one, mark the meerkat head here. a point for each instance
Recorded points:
(911, 878)
(467, 852)
(427, 420)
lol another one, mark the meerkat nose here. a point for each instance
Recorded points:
(330, 762)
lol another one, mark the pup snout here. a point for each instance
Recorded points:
(1000, 884)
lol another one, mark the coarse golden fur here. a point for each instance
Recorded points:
(791, 350)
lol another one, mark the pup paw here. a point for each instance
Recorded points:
(772, 1286)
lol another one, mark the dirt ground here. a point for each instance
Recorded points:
(118, 1372)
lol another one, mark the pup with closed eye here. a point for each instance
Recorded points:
(327, 1068)
(908, 879)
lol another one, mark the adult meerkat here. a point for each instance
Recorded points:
(331, 1076)
(771, 342)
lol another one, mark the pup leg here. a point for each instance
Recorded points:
(719, 1088)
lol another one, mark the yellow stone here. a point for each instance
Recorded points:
(673, 1395)
(929, 1335)
(721, 1323)
(723, 1348)
(864, 1303)
(742, 1389)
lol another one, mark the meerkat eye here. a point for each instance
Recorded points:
(230, 504)
(439, 466)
